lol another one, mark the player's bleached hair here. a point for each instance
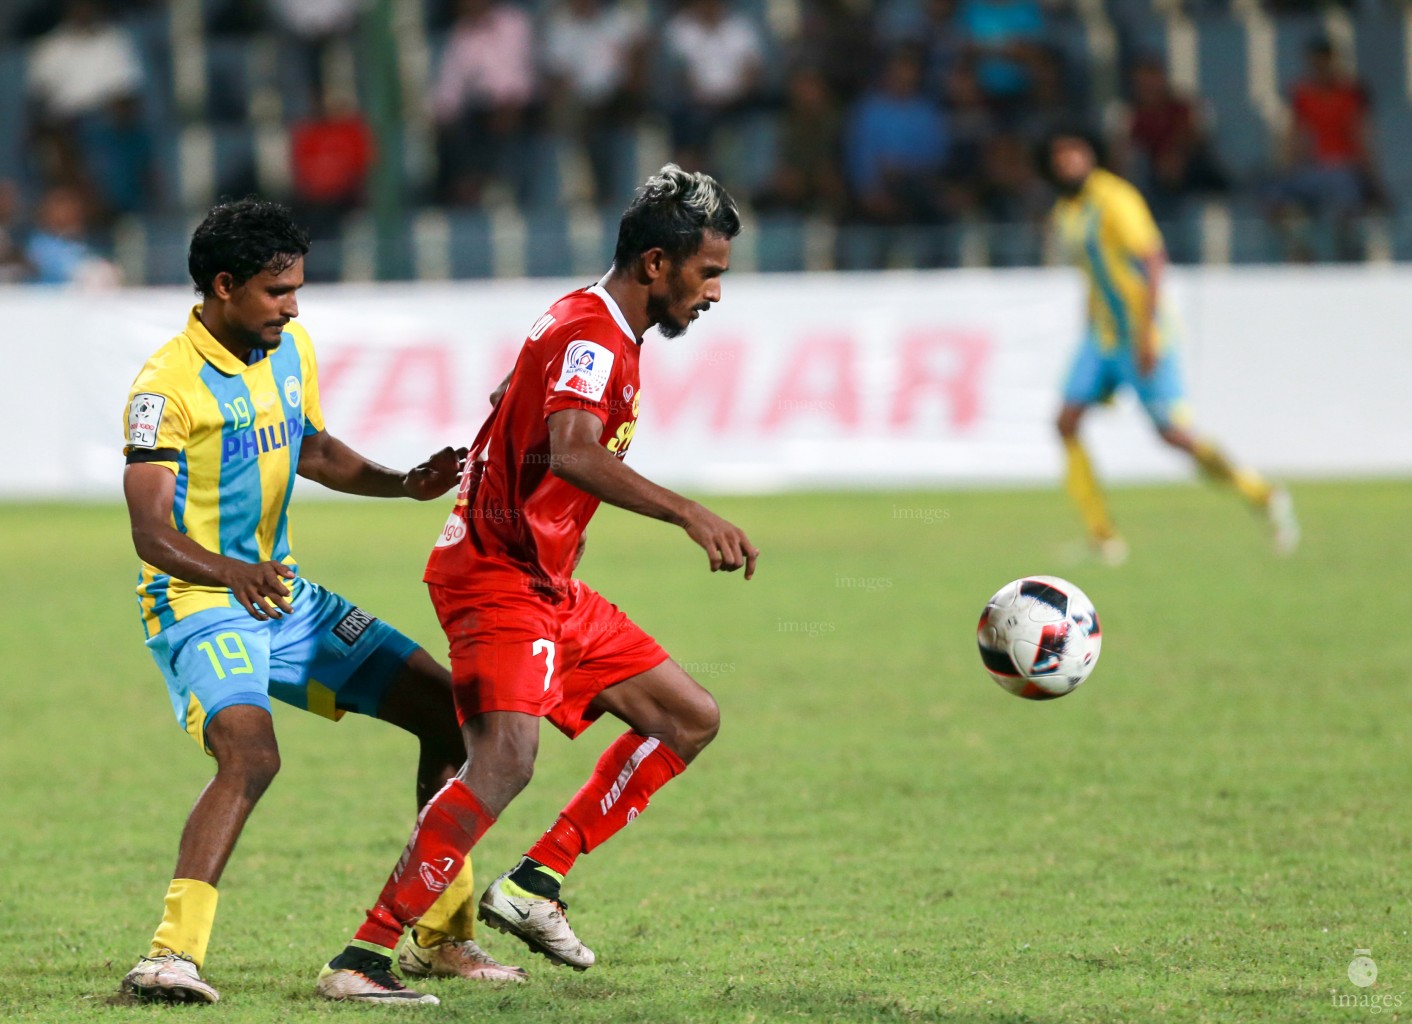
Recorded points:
(243, 237)
(672, 211)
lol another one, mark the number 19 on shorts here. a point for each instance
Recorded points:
(233, 659)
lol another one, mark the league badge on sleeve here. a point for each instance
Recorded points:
(587, 367)
(144, 419)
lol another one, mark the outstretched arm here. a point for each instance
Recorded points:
(578, 457)
(325, 459)
(149, 490)
(1153, 265)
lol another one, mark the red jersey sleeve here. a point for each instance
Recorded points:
(584, 362)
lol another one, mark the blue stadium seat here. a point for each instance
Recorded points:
(899, 19)
(1241, 139)
(1381, 53)
(234, 146)
(1069, 41)
(540, 187)
(610, 216)
(228, 82)
(470, 243)
(1401, 228)
(1253, 239)
(12, 111)
(548, 252)
(780, 243)
(1182, 235)
(1014, 245)
(1293, 33)
(151, 32)
(168, 238)
(1141, 30)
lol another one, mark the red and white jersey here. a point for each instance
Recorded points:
(516, 524)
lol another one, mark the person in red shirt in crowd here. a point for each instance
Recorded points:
(528, 641)
(330, 156)
(1163, 147)
(1330, 157)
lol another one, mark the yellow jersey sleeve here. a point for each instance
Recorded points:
(309, 370)
(157, 425)
(1131, 221)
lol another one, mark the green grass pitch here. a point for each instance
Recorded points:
(1204, 832)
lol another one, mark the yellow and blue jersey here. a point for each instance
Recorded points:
(1108, 230)
(231, 432)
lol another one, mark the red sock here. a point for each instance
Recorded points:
(627, 775)
(449, 825)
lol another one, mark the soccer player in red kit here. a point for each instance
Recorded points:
(528, 641)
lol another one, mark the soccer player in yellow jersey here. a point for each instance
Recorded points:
(1105, 225)
(219, 422)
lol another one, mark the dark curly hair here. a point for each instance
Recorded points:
(672, 211)
(243, 237)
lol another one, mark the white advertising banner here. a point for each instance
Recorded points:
(820, 380)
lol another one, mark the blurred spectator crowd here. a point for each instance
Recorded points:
(890, 123)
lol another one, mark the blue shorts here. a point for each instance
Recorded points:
(1095, 376)
(328, 657)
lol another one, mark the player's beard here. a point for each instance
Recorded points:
(659, 310)
(257, 341)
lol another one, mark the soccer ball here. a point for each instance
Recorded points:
(1039, 637)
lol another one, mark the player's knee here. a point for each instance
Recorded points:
(253, 769)
(516, 764)
(507, 754)
(1067, 424)
(697, 726)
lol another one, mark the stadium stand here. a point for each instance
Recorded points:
(223, 84)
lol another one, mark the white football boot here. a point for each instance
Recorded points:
(367, 978)
(1284, 527)
(168, 979)
(537, 921)
(463, 959)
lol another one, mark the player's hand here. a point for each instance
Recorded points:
(726, 545)
(260, 588)
(436, 476)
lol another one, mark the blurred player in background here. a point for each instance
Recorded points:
(1109, 232)
(528, 641)
(219, 421)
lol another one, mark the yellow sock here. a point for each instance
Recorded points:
(186, 923)
(1083, 488)
(453, 916)
(1250, 484)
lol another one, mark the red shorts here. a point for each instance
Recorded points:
(517, 651)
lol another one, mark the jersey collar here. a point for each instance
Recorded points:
(212, 350)
(622, 321)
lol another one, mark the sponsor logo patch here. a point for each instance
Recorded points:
(144, 419)
(453, 532)
(352, 626)
(587, 367)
